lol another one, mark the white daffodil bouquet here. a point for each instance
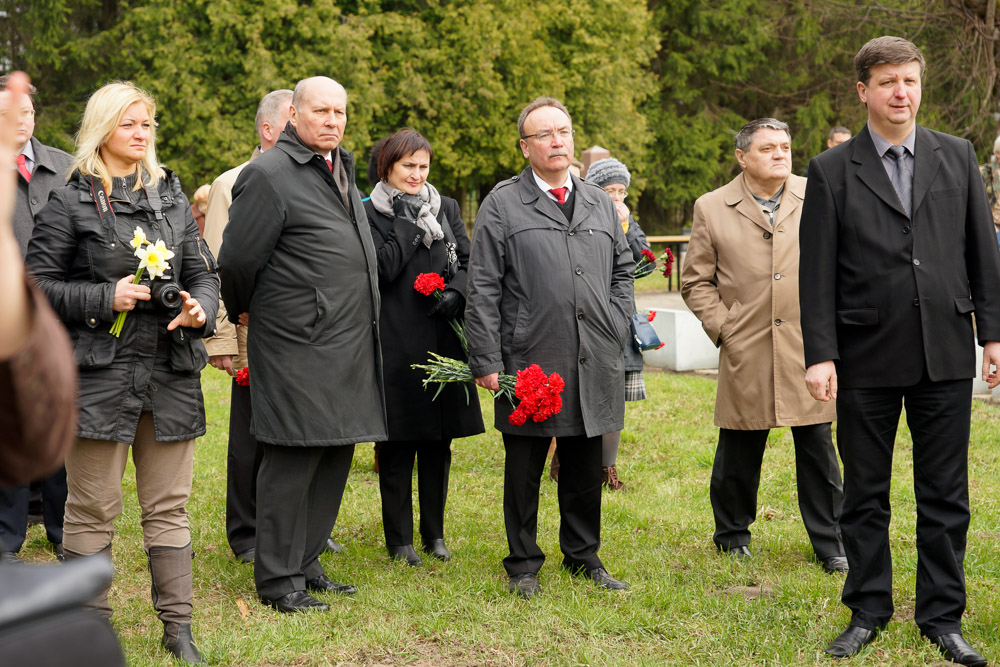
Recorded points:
(152, 259)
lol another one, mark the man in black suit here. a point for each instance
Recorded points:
(897, 252)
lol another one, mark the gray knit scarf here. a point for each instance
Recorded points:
(383, 194)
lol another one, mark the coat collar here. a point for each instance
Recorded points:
(926, 163)
(737, 194)
(583, 202)
(43, 156)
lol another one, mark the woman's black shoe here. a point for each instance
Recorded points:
(406, 553)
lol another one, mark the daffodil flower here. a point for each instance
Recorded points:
(154, 258)
(139, 238)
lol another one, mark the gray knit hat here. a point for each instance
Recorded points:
(607, 171)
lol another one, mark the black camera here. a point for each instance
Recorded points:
(165, 295)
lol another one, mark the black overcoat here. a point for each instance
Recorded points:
(886, 296)
(302, 263)
(408, 334)
(77, 260)
(557, 294)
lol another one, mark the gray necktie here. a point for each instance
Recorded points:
(902, 179)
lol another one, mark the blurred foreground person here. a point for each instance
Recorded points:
(140, 390)
(42, 617)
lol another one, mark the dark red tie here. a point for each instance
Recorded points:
(23, 168)
(560, 194)
(329, 165)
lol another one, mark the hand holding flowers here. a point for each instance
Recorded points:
(154, 260)
(433, 284)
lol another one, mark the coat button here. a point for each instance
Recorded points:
(916, 262)
(916, 302)
(579, 316)
(906, 230)
(767, 235)
(34, 201)
(777, 276)
(579, 271)
(777, 322)
(583, 359)
(92, 322)
(572, 233)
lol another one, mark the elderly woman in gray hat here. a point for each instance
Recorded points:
(614, 177)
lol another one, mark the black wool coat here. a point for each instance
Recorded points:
(408, 334)
(302, 263)
(77, 258)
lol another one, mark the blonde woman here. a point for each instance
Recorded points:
(139, 390)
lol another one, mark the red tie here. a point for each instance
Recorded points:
(560, 194)
(329, 164)
(23, 168)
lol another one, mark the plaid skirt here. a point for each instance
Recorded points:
(635, 386)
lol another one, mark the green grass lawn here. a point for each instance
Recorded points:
(687, 605)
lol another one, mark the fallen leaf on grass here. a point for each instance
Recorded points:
(243, 607)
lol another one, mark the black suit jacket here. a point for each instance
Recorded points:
(886, 296)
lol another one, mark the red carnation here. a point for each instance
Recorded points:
(539, 394)
(668, 263)
(243, 377)
(517, 418)
(426, 283)
(648, 255)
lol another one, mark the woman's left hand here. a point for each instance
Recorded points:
(191, 314)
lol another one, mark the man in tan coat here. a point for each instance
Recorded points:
(228, 349)
(741, 280)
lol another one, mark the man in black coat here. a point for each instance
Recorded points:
(897, 252)
(40, 169)
(297, 257)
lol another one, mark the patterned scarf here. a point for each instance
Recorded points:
(383, 194)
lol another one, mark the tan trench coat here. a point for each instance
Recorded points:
(740, 279)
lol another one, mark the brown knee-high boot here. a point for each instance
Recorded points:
(170, 569)
(100, 603)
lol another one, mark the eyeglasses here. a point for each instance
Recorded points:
(617, 193)
(546, 136)
(23, 114)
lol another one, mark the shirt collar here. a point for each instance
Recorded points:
(882, 144)
(772, 202)
(28, 152)
(545, 187)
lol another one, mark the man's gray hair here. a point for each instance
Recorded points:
(538, 103)
(267, 110)
(996, 145)
(745, 136)
(838, 129)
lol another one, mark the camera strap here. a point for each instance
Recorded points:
(105, 210)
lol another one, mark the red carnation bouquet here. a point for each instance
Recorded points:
(243, 377)
(668, 262)
(539, 393)
(433, 284)
(647, 263)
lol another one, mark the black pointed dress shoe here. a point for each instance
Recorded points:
(850, 641)
(437, 549)
(955, 648)
(604, 580)
(295, 601)
(738, 552)
(525, 585)
(833, 564)
(323, 584)
(247, 556)
(405, 553)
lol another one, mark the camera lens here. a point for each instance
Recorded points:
(169, 296)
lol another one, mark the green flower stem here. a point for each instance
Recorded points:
(116, 328)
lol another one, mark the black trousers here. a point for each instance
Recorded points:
(395, 483)
(14, 511)
(579, 501)
(736, 478)
(242, 463)
(299, 490)
(938, 415)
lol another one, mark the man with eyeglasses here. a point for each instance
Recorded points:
(40, 169)
(550, 283)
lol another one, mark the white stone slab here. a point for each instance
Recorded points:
(686, 348)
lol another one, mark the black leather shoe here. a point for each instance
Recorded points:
(322, 584)
(525, 585)
(834, 564)
(183, 646)
(955, 648)
(850, 641)
(406, 553)
(739, 553)
(604, 580)
(59, 551)
(333, 547)
(10, 558)
(437, 549)
(296, 601)
(247, 556)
